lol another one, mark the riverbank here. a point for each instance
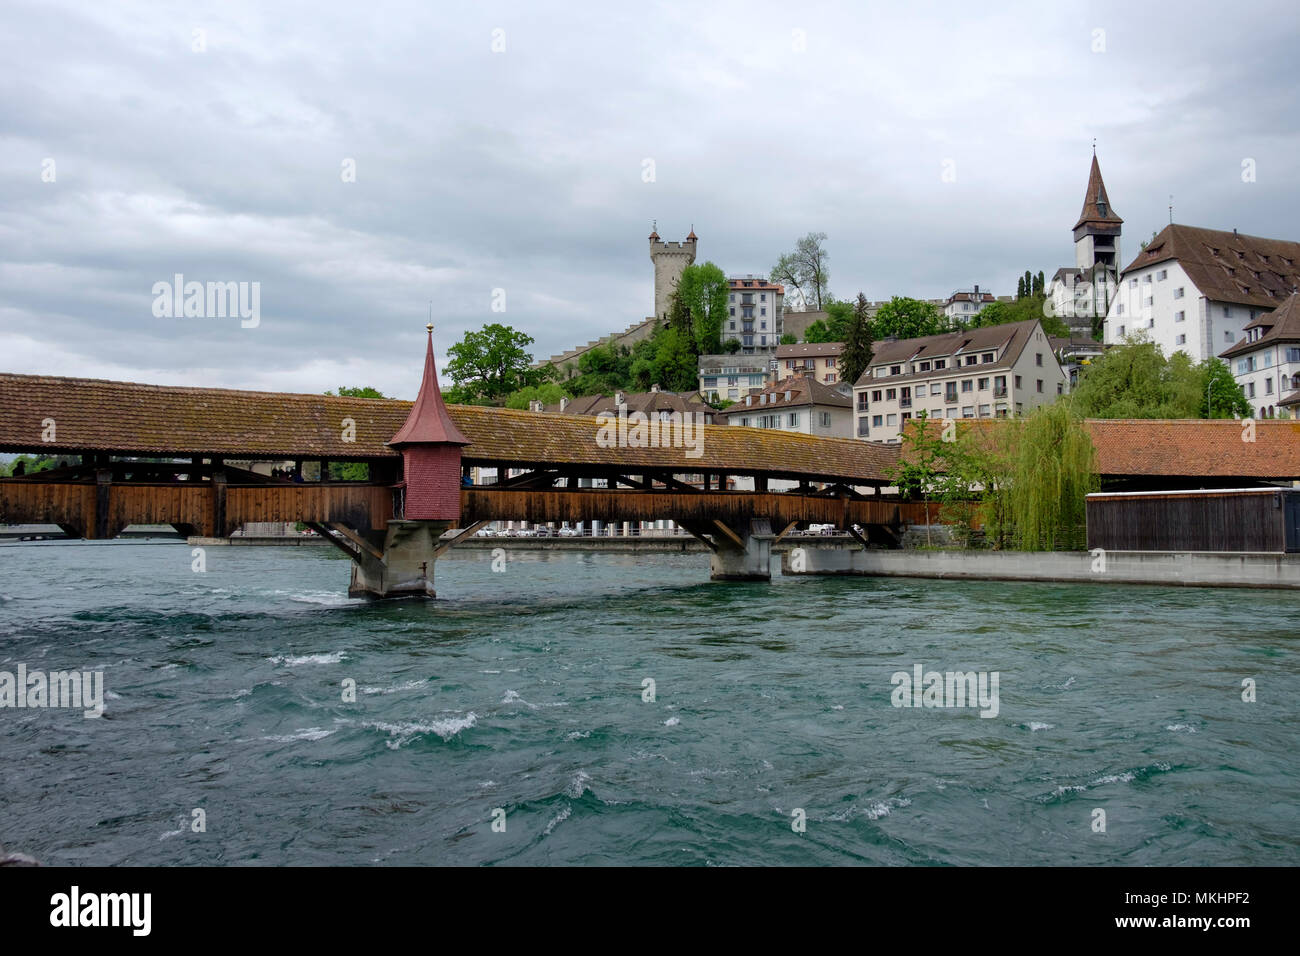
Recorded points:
(1199, 569)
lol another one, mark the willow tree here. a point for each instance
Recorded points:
(1052, 470)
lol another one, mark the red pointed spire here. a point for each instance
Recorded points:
(428, 422)
(1096, 204)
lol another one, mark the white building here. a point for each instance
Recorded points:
(754, 313)
(1195, 290)
(965, 304)
(1266, 361)
(796, 404)
(1000, 371)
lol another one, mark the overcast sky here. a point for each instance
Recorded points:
(220, 154)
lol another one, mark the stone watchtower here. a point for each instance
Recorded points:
(670, 260)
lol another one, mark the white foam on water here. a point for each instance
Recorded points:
(291, 661)
(672, 721)
(837, 707)
(1062, 791)
(109, 695)
(172, 833)
(1039, 725)
(1113, 778)
(405, 685)
(324, 598)
(403, 733)
(242, 692)
(578, 785)
(309, 733)
(559, 818)
(1181, 728)
(489, 672)
(577, 735)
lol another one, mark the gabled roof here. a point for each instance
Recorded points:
(1008, 339)
(1227, 266)
(428, 422)
(804, 390)
(1096, 204)
(647, 402)
(1280, 325)
(803, 349)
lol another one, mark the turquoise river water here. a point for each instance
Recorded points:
(509, 721)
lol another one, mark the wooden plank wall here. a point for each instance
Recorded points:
(1205, 522)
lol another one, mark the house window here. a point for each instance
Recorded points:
(1017, 381)
(789, 363)
(826, 419)
(984, 385)
(762, 297)
(1060, 388)
(950, 413)
(733, 324)
(732, 311)
(1268, 386)
(940, 364)
(794, 419)
(1148, 300)
(987, 358)
(950, 391)
(1038, 359)
(1119, 309)
(863, 428)
(830, 378)
(936, 388)
(895, 369)
(924, 366)
(1227, 312)
(1179, 316)
(890, 394)
(830, 361)
(1250, 389)
(1178, 293)
(1162, 275)
(972, 359)
(862, 402)
(1121, 331)
(968, 411)
(1040, 386)
(986, 411)
(967, 384)
(891, 419)
(763, 311)
(875, 396)
(1293, 355)
(1000, 387)
(906, 415)
(1181, 340)
(877, 421)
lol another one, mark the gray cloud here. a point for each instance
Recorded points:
(522, 169)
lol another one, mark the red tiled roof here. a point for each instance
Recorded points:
(1094, 200)
(155, 420)
(428, 422)
(1280, 325)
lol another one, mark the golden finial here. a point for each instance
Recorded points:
(429, 327)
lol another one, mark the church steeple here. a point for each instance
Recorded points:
(1096, 234)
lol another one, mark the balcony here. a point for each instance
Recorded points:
(999, 391)
(904, 403)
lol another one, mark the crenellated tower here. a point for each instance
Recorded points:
(670, 261)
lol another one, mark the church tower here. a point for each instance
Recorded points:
(1096, 234)
(670, 261)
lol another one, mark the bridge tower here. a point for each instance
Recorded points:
(430, 444)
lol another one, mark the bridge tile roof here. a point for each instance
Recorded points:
(156, 420)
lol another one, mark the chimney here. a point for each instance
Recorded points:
(534, 405)
(654, 389)
(977, 293)
(620, 398)
(564, 402)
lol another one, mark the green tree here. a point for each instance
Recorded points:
(1135, 380)
(906, 318)
(489, 364)
(548, 393)
(857, 352)
(359, 391)
(789, 339)
(31, 464)
(1020, 288)
(805, 269)
(1054, 468)
(818, 331)
(1022, 310)
(703, 289)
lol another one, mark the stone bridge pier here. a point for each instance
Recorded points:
(405, 566)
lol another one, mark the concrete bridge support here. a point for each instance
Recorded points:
(809, 559)
(405, 566)
(743, 557)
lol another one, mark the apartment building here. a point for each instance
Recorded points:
(754, 312)
(1266, 362)
(729, 377)
(965, 304)
(797, 403)
(821, 359)
(1001, 371)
